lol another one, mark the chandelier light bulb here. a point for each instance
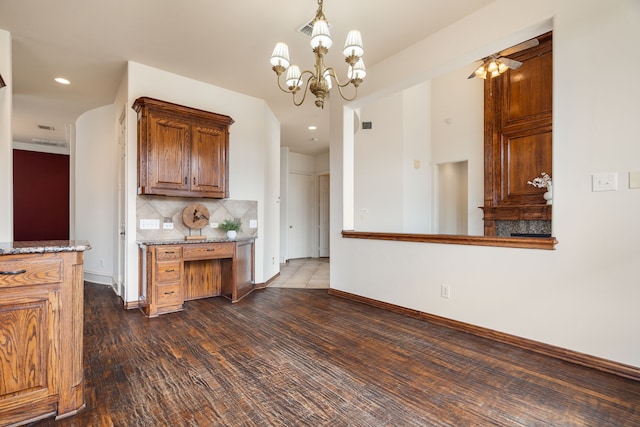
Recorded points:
(358, 71)
(321, 35)
(353, 44)
(280, 55)
(293, 77)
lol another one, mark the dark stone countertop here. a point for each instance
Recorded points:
(43, 246)
(184, 241)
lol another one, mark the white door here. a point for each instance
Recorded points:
(323, 215)
(300, 216)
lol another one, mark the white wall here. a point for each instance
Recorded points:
(6, 135)
(96, 168)
(253, 154)
(457, 120)
(582, 296)
(379, 162)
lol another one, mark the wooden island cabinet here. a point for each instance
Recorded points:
(41, 330)
(174, 272)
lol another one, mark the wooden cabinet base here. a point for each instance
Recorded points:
(172, 274)
(41, 324)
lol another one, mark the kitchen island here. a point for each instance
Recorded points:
(174, 271)
(41, 330)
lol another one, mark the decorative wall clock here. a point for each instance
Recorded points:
(195, 216)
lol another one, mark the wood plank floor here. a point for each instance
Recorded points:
(299, 357)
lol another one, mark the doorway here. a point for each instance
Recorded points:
(40, 196)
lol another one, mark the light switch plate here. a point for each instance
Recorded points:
(253, 223)
(604, 181)
(634, 179)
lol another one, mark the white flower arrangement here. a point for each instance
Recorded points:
(543, 181)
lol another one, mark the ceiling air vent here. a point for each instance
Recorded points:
(49, 142)
(45, 127)
(306, 29)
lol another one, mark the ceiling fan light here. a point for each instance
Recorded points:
(481, 72)
(353, 44)
(280, 55)
(293, 77)
(502, 67)
(321, 35)
(493, 66)
(495, 73)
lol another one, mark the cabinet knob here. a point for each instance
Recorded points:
(12, 273)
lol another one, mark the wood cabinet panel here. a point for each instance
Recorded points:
(168, 155)
(518, 138)
(182, 151)
(41, 330)
(202, 279)
(41, 271)
(209, 250)
(209, 160)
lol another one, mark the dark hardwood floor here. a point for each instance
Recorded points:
(299, 357)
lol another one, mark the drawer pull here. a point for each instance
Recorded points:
(170, 252)
(169, 293)
(210, 250)
(12, 273)
(170, 271)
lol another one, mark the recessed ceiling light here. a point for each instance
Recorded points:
(62, 81)
(313, 127)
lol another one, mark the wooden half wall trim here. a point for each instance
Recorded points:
(571, 356)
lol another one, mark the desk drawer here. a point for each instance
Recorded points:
(168, 271)
(21, 271)
(209, 250)
(168, 252)
(169, 294)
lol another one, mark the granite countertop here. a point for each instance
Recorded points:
(43, 246)
(184, 241)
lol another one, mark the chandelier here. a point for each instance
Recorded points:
(319, 82)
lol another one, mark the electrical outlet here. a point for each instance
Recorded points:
(149, 224)
(214, 225)
(445, 291)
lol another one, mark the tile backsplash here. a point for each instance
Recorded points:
(169, 209)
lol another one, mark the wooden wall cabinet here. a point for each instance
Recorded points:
(41, 330)
(172, 274)
(518, 137)
(182, 151)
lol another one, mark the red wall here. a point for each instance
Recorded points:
(40, 196)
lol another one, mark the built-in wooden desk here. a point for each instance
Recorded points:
(172, 272)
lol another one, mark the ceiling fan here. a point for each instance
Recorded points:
(498, 63)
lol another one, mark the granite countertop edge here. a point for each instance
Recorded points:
(43, 246)
(152, 242)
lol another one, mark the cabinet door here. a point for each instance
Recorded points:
(29, 326)
(168, 156)
(209, 161)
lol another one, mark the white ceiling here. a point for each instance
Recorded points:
(222, 42)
